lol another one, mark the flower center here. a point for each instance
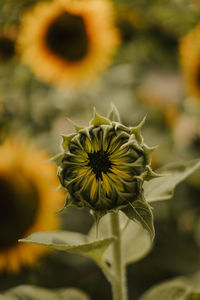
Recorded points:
(99, 162)
(18, 209)
(67, 37)
(7, 48)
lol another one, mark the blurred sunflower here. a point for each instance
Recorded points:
(66, 42)
(27, 203)
(190, 60)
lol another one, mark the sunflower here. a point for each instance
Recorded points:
(28, 202)
(190, 60)
(104, 165)
(67, 42)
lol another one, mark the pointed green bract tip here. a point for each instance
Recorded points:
(114, 114)
(76, 126)
(56, 159)
(151, 174)
(99, 120)
(148, 152)
(137, 130)
(67, 139)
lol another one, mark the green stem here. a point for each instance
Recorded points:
(119, 284)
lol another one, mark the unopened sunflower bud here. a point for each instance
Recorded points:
(104, 165)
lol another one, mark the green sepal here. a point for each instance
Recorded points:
(67, 139)
(148, 152)
(141, 211)
(98, 214)
(150, 174)
(99, 120)
(133, 143)
(76, 126)
(121, 127)
(56, 159)
(137, 130)
(114, 115)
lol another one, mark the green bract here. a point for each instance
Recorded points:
(104, 165)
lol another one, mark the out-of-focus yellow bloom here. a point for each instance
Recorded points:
(27, 202)
(68, 42)
(190, 60)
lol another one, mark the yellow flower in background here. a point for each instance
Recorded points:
(190, 60)
(67, 42)
(27, 202)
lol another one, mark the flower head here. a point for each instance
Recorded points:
(27, 204)
(67, 42)
(104, 165)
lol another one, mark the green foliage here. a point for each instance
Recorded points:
(158, 189)
(30, 292)
(163, 188)
(140, 211)
(72, 242)
(136, 242)
(181, 288)
(146, 65)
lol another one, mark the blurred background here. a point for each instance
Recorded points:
(58, 60)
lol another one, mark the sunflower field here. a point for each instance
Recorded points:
(100, 149)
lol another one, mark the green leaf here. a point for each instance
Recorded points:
(163, 188)
(180, 288)
(136, 242)
(140, 211)
(30, 292)
(72, 242)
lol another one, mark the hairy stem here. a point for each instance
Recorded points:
(119, 284)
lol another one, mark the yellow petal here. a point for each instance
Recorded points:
(120, 173)
(87, 180)
(116, 181)
(93, 188)
(85, 171)
(88, 146)
(105, 183)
